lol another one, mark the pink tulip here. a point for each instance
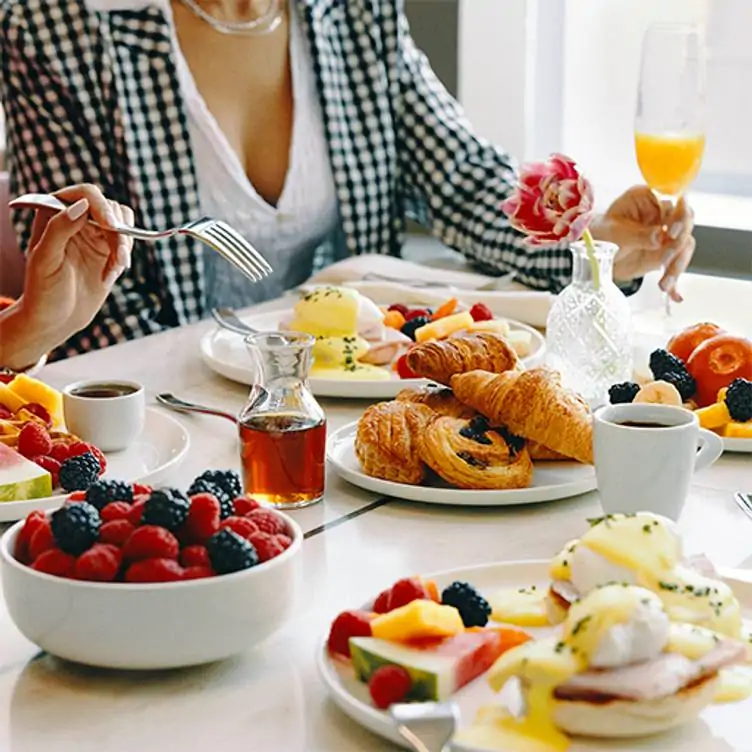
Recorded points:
(552, 203)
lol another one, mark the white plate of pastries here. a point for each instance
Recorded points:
(358, 343)
(485, 432)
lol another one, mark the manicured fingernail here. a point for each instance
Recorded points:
(112, 220)
(668, 283)
(676, 230)
(77, 210)
(124, 254)
(655, 238)
(113, 276)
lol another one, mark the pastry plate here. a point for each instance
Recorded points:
(740, 446)
(722, 728)
(551, 480)
(150, 459)
(226, 354)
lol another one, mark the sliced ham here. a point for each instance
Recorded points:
(661, 677)
(382, 354)
(565, 591)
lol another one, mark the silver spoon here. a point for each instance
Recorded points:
(228, 319)
(427, 726)
(744, 502)
(181, 406)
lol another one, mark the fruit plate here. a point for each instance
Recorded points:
(551, 480)
(740, 446)
(723, 728)
(151, 458)
(225, 353)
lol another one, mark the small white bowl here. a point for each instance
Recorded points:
(152, 626)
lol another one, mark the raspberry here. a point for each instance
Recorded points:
(243, 505)
(78, 473)
(75, 527)
(33, 522)
(266, 546)
(41, 412)
(240, 525)
(389, 684)
(151, 542)
(154, 570)
(77, 496)
(116, 532)
(41, 541)
(139, 489)
(5, 414)
(415, 313)
(101, 459)
(56, 562)
(203, 519)
(51, 466)
(348, 624)
(167, 508)
(195, 556)
(104, 492)
(481, 312)
(400, 594)
(267, 522)
(381, 604)
(230, 553)
(284, 540)
(100, 563)
(116, 510)
(202, 485)
(137, 511)
(34, 441)
(197, 573)
(60, 450)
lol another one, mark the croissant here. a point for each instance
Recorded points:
(532, 404)
(385, 441)
(468, 454)
(540, 453)
(440, 399)
(442, 359)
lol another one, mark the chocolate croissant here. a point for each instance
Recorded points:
(532, 404)
(442, 359)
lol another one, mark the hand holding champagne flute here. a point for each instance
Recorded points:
(669, 126)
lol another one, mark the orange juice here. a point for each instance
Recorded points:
(669, 163)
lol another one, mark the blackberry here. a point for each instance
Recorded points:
(663, 362)
(739, 400)
(167, 508)
(104, 492)
(473, 607)
(684, 383)
(75, 527)
(229, 552)
(78, 473)
(202, 485)
(624, 393)
(409, 327)
(228, 480)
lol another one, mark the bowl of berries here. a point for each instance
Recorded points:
(128, 577)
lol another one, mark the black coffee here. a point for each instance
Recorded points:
(104, 391)
(639, 424)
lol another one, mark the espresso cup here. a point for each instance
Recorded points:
(645, 456)
(108, 414)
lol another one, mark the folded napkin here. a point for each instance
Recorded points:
(387, 280)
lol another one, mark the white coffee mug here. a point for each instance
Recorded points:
(108, 414)
(645, 456)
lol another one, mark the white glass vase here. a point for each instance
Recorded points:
(589, 330)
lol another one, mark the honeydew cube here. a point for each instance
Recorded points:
(21, 479)
(495, 326)
(521, 341)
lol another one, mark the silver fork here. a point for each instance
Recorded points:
(218, 235)
(427, 726)
(744, 502)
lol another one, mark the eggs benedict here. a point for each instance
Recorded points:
(619, 667)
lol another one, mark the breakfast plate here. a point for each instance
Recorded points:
(720, 728)
(226, 354)
(551, 480)
(161, 448)
(737, 446)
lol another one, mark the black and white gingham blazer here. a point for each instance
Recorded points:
(94, 97)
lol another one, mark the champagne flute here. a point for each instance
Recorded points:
(670, 117)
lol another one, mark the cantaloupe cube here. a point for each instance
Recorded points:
(735, 430)
(418, 620)
(713, 416)
(33, 390)
(442, 328)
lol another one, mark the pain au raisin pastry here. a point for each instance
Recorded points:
(532, 404)
(470, 455)
(440, 399)
(385, 442)
(440, 360)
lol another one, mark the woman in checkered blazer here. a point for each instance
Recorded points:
(315, 127)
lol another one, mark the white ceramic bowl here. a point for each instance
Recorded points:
(151, 626)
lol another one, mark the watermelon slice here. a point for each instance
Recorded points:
(21, 479)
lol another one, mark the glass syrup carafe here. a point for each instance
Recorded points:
(282, 426)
